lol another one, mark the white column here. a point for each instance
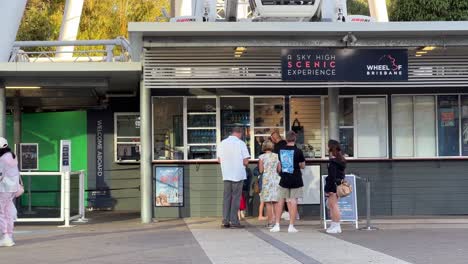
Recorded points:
(70, 25)
(182, 8)
(378, 10)
(11, 12)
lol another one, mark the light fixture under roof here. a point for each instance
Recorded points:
(429, 48)
(241, 49)
(421, 52)
(22, 87)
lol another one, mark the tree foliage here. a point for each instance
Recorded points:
(101, 19)
(429, 10)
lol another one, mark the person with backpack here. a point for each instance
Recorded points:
(336, 174)
(9, 190)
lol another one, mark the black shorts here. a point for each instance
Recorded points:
(330, 185)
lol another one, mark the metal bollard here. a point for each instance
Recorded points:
(368, 226)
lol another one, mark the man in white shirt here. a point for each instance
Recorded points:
(234, 157)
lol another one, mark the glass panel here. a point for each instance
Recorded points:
(464, 101)
(448, 119)
(347, 141)
(268, 117)
(425, 126)
(268, 112)
(202, 152)
(201, 125)
(128, 152)
(402, 122)
(346, 114)
(308, 114)
(201, 105)
(128, 125)
(372, 127)
(235, 112)
(168, 128)
(346, 123)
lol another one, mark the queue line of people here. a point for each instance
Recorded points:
(280, 166)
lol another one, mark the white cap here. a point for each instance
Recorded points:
(3, 143)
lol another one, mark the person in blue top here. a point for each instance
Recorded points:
(292, 161)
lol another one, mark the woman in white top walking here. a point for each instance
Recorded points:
(9, 184)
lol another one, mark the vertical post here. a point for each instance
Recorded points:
(70, 24)
(66, 205)
(10, 19)
(368, 209)
(145, 152)
(17, 122)
(109, 53)
(333, 108)
(2, 110)
(378, 10)
(146, 181)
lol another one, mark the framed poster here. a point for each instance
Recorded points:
(169, 186)
(29, 155)
(347, 205)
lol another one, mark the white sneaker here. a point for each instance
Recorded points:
(275, 229)
(334, 229)
(7, 242)
(292, 229)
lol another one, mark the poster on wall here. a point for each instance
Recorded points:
(29, 153)
(448, 119)
(169, 186)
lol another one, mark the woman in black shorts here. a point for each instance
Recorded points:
(336, 173)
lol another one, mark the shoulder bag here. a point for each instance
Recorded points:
(344, 189)
(20, 190)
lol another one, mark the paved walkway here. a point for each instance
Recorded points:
(111, 238)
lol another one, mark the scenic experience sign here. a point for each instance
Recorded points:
(357, 65)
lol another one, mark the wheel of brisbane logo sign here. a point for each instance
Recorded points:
(358, 65)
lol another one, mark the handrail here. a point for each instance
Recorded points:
(105, 55)
(65, 193)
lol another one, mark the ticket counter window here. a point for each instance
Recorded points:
(305, 118)
(168, 128)
(346, 124)
(414, 126)
(127, 143)
(235, 112)
(268, 116)
(201, 128)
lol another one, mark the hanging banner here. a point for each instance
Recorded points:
(359, 65)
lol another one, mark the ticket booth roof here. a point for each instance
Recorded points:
(68, 85)
(395, 34)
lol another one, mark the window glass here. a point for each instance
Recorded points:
(424, 126)
(402, 122)
(371, 127)
(305, 118)
(201, 128)
(268, 117)
(128, 137)
(168, 128)
(448, 125)
(346, 123)
(464, 103)
(235, 112)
